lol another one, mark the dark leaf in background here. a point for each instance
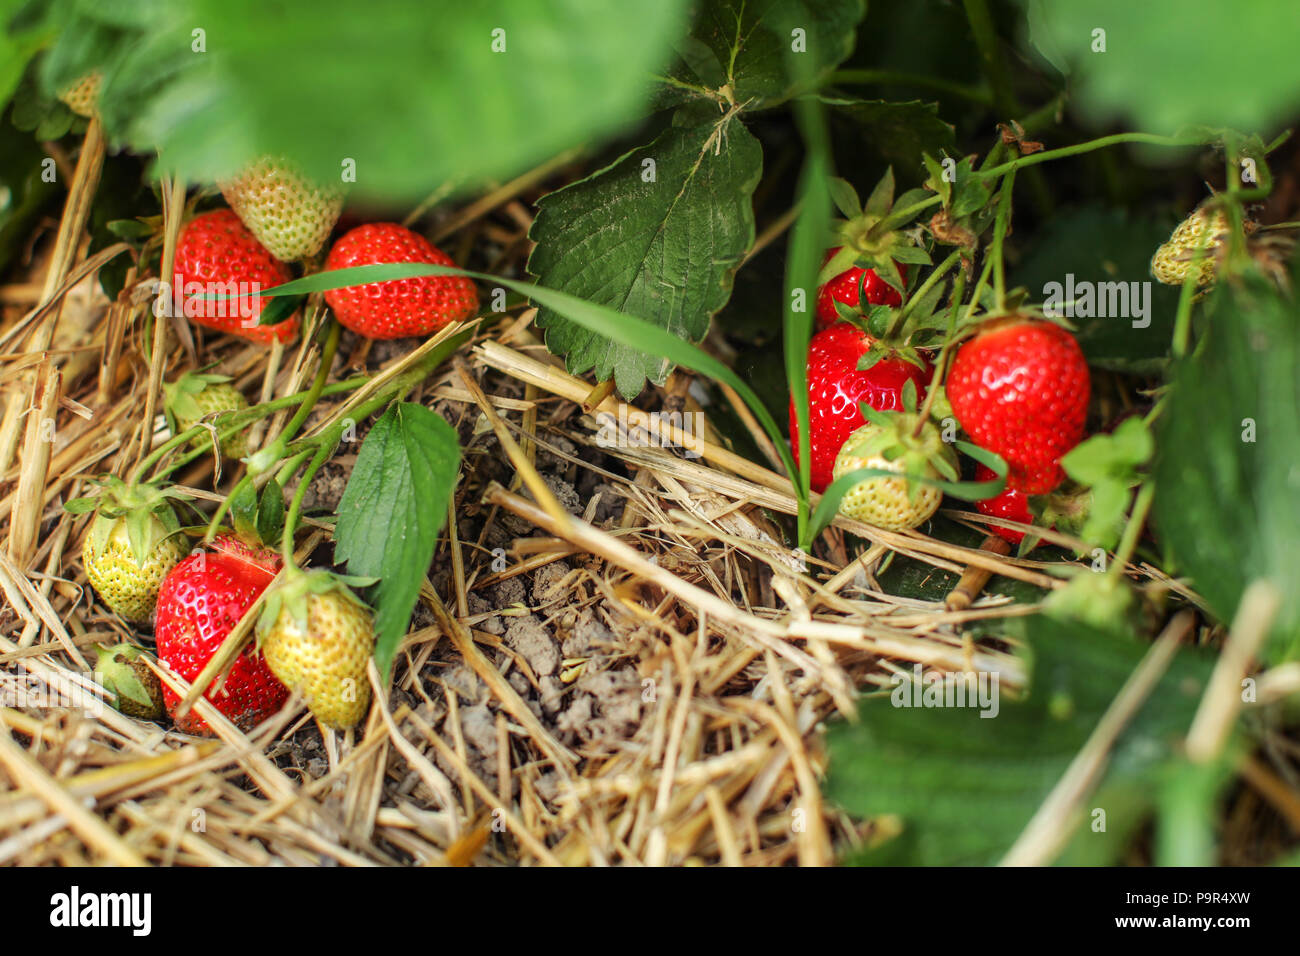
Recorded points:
(1099, 245)
(895, 133)
(746, 42)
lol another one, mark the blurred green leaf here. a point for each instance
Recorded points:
(17, 47)
(414, 94)
(1227, 478)
(1163, 67)
(966, 786)
(658, 234)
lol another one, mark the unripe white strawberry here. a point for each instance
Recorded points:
(195, 396)
(1194, 246)
(133, 542)
(887, 443)
(317, 639)
(288, 213)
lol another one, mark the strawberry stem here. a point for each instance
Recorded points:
(1133, 530)
(322, 455)
(272, 454)
(236, 422)
(1101, 143)
(935, 275)
(1000, 226)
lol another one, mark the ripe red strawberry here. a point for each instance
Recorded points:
(836, 386)
(288, 213)
(217, 255)
(1020, 388)
(844, 288)
(1011, 504)
(199, 603)
(401, 307)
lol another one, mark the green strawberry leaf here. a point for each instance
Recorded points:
(270, 512)
(659, 234)
(1225, 465)
(280, 309)
(1117, 455)
(391, 512)
(931, 765)
(746, 43)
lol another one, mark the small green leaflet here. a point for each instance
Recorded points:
(658, 234)
(392, 510)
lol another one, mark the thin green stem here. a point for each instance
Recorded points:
(234, 423)
(1064, 152)
(1000, 226)
(978, 290)
(291, 464)
(941, 363)
(986, 40)
(224, 506)
(935, 275)
(295, 507)
(1133, 529)
(318, 386)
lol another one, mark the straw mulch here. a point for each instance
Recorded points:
(616, 659)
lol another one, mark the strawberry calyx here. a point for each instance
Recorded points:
(120, 670)
(879, 350)
(867, 239)
(146, 508)
(904, 438)
(293, 589)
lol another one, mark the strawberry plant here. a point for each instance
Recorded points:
(549, 433)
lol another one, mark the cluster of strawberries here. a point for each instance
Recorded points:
(315, 637)
(1019, 387)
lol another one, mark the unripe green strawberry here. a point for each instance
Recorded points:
(126, 568)
(122, 670)
(1193, 246)
(288, 213)
(317, 638)
(886, 442)
(82, 97)
(195, 396)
